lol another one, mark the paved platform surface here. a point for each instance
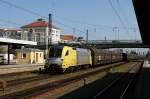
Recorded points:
(19, 66)
(142, 87)
(4, 69)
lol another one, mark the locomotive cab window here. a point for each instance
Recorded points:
(55, 52)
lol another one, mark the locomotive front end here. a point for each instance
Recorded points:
(54, 61)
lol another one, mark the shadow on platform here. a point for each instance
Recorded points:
(142, 89)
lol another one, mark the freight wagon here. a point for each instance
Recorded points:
(100, 56)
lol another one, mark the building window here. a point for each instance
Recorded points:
(30, 35)
(40, 30)
(53, 31)
(24, 55)
(38, 38)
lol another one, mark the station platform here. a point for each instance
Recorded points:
(5, 69)
(142, 87)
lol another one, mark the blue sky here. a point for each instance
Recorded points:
(95, 15)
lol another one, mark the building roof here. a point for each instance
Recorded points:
(38, 23)
(1, 30)
(9, 30)
(68, 37)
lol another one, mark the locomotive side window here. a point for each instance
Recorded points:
(67, 53)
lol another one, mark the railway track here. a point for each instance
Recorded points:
(26, 72)
(37, 77)
(119, 88)
(26, 80)
(36, 90)
(13, 74)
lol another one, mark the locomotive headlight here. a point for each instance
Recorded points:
(57, 61)
(62, 59)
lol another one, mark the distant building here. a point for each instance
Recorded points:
(68, 38)
(81, 39)
(30, 56)
(36, 31)
(11, 33)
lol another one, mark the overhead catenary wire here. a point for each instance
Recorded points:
(122, 12)
(94, 25)
(104, 27)
(33, 13)
(10, 22)
(37, 14)
(118, 16)
(99, 26)
(71, 27)
(21, 8)
(135, 29)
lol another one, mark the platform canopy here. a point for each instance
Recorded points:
(142, 12)
(7, 41)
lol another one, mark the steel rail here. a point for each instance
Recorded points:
(116, 81)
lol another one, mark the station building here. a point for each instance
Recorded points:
(30, 56)
(36, 31)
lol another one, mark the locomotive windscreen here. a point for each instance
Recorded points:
(55, 52)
